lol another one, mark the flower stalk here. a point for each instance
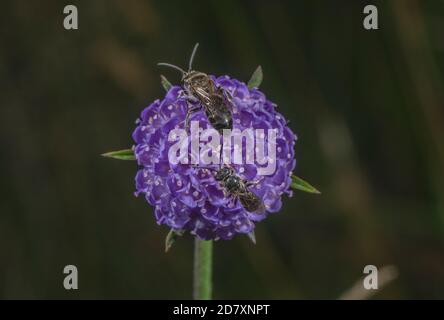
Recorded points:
(203, 265)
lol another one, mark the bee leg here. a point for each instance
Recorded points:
(191, 98)
(233, 200)
(227, 94)
(190, 111)
(252, 183)
(197, 166)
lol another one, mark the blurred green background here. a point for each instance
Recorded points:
(367, 106)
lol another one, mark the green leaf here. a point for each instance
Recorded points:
(300, 184)
(252, 237)
(126, 154)
(165, 83)
(256, 78)
(171, 238)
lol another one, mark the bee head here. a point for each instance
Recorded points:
(223, 173)
(195, 79)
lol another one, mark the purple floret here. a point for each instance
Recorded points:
(188, 198)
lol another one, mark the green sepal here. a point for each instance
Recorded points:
(171, 238)
(256, 78)
(252, 236)
(300, 184)
(165, 83)
(125, 154)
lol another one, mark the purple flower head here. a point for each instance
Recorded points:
(187, 197)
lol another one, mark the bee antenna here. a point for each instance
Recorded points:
(192, 56)
(171, 66)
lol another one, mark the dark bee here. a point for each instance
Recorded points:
(215, 100)
(238, 188)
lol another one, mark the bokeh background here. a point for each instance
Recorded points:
(367, 106)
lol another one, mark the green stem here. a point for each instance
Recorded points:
(203, 264)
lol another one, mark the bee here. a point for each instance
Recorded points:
(215, 101)
(238, 188)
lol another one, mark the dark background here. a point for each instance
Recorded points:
(367, 107)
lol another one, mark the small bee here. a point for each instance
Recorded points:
(200, 87)
(238, 188)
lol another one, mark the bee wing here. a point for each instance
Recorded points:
(226, 95)
(212, 86)
(252, 203)
(202, 94)
(261, 209)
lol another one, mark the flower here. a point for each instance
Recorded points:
(188, 198)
